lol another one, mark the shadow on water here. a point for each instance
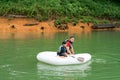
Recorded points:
(63, 71)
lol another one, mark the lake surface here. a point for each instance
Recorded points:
(18, 56)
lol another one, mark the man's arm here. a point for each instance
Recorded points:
(72, 50)
(68, 51)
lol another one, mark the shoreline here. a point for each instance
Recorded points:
(18, 28)
(15, 28)
(32, 25)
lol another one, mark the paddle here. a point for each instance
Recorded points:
(80, 59)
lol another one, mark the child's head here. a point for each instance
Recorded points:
(64, 42)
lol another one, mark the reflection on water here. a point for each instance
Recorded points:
(63, 71)
(45, 34)
(26, 35)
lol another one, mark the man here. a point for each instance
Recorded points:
(69, 47)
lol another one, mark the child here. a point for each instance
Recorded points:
(62, 50)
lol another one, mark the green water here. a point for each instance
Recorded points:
(18, 56)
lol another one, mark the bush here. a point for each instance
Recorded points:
(68, 9)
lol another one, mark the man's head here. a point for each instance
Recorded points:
(71, 39)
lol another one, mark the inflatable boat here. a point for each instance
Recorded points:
(51, 57)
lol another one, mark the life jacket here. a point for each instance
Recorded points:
(69, 42)
(59, 50)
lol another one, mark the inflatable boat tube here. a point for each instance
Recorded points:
(51, 57)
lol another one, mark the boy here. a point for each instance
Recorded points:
(62, 50)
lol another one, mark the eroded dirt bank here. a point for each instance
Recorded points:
(22, 27)
(27, 24)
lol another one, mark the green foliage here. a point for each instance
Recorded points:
(70, 10)
(62, 21)
(57, 22)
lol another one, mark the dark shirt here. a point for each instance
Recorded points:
(62, 51)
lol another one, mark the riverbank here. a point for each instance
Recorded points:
(22, 28)
(32, 25)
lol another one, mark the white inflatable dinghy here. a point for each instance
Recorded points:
(52, 58)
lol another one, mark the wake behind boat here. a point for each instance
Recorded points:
(51, 57)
